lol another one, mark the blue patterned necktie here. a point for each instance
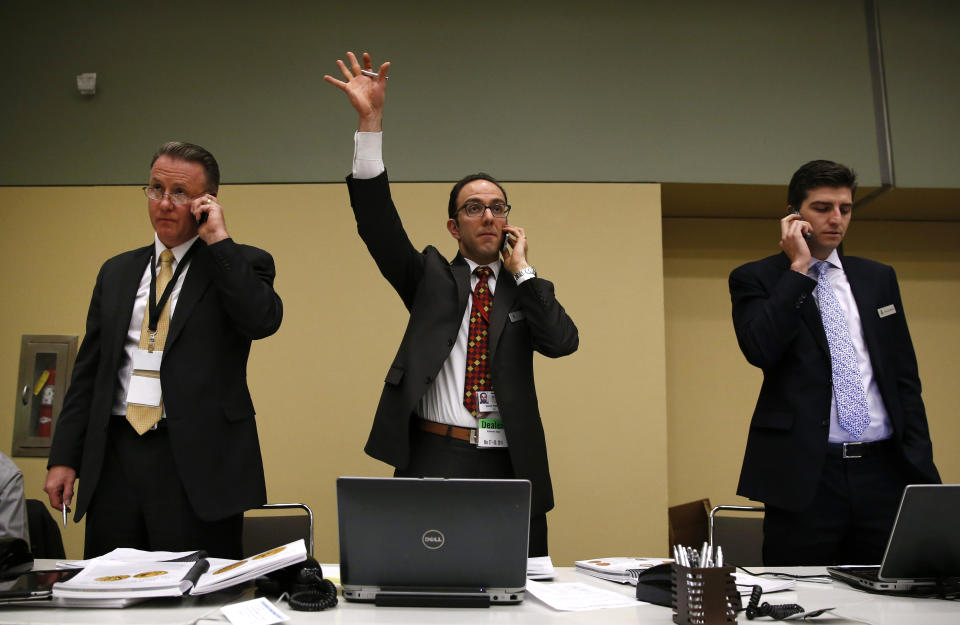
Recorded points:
(852, 412)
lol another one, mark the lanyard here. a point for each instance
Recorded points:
(153, 305)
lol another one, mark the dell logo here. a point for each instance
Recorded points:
(432, 539)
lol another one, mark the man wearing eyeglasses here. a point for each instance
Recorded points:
(459, 398)
(158, 422)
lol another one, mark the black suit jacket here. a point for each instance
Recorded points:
(227, 299)
(524, 318)
(779, 329)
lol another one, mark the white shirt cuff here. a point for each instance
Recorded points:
(367, 155)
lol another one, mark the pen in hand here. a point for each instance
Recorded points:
(65, 510)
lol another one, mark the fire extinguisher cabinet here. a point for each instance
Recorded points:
(46, 362)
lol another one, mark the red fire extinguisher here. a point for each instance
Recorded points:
(45, 422)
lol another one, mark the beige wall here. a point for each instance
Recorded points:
(316, 382)
(711, 389)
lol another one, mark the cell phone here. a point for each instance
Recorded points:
(505, 242)
(202, 219)
(806, 235)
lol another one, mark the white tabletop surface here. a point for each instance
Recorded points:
(851, 606)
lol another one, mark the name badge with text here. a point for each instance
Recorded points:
(886, 311)
(487, 401)
(490, 433)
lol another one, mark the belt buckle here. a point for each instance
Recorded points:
(847, 456)
(473, 436)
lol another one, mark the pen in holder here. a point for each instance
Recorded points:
(704, 596)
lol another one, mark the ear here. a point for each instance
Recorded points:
(454, 228)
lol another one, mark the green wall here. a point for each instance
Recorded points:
(651, 90)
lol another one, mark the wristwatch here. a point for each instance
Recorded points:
(525, 274)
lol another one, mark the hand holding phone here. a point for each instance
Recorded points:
(202, 217)
(806, 234)
(208, 215)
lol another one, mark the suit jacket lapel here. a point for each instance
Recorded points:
(502, 303)
(128, 283)
(811, 316)
(198, 279)
(809, 313)
(461, 275)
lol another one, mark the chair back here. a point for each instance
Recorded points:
(741, 537)
(45, 538)
(688, 524)
(264, 528)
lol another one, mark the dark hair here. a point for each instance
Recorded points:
(189, 152)
(452, 208)
(819, 174)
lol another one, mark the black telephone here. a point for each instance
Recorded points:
(655, 585)
(307, 590)
(794, 211)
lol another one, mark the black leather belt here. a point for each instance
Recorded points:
(853, 451)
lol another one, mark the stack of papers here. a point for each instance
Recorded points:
(621, 570)
(577, 597)
(540, 568)
(125, 554)
(106, 579)
(745, 584)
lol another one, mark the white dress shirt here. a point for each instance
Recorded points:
(132, 342)
(879, 427)
(443, 401)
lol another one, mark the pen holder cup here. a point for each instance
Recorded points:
(704, 596)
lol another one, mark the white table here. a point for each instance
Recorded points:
(852, 606)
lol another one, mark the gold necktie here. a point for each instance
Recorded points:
(142, 418)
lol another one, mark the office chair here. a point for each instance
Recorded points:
(45, 538)
(740, 536)
(687, 523)
(264, 531)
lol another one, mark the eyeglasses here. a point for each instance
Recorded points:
(179, 198)
(475, 208)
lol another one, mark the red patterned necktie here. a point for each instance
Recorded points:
(477, 376)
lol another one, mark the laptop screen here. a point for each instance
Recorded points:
(925, 541)
(433, 534)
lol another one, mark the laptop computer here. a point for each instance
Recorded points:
(433, 541)
(924, 545)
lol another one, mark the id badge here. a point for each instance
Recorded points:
(490, 433)
(144, 390)
(487, 401)
(147, 361)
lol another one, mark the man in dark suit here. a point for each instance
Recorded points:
(463, 375)
(839, 428)
(161, 432)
